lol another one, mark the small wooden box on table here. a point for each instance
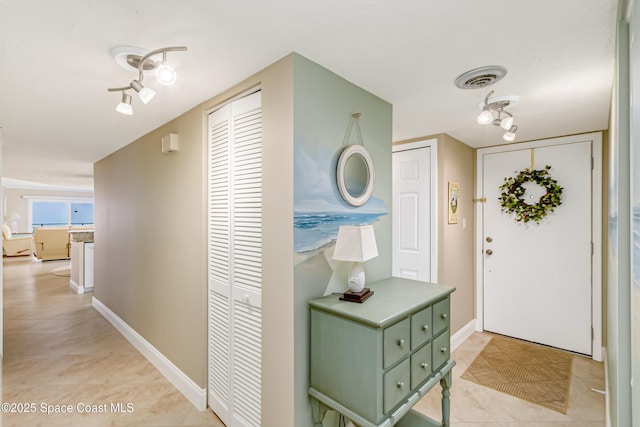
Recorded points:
(373, 361)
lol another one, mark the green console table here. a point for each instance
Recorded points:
(373, 361)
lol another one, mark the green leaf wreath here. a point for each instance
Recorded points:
(512, 195)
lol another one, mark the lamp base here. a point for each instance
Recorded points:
(358, 297)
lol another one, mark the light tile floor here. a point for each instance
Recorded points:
(473, 405)
(59, 351)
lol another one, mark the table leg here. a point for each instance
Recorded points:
(445, 383)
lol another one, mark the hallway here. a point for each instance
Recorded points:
(58, 350)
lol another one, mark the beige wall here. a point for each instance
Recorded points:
(17, 200)
(456, 162)
(456, 260)
(150, 250)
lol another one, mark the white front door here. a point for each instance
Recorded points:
(537, 278)
(412, 219)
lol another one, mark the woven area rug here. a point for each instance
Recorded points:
(531, 372)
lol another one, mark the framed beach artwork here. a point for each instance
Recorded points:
(454, 193)
(319, 209)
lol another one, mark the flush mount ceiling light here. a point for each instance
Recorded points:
(493, 111)
(137, 59)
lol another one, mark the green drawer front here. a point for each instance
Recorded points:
(441, 350)
(420, 365)
(396, 385)
(396, 342)
(440, 316)
(421, 329)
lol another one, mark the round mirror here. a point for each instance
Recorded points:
(355, 175)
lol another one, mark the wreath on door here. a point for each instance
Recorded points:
(512, 200)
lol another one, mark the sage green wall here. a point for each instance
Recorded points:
(618, 257)
(323, 105)
(150, 239)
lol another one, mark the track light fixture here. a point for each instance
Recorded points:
(493, 111)
(132, 58)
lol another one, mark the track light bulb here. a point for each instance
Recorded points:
(510, 135)
(145, 93)
(124, 106)
(485, 117)
(165, 74)
(506, 123)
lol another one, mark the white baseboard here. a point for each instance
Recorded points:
(191, 390)
(76, 288)
(465, 332)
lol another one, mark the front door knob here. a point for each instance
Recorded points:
(488, 252)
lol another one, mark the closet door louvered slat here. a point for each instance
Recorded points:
(235, 261)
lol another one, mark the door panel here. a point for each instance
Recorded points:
(412, 214)
(537, 279)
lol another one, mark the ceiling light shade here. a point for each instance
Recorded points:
(506, 123)
(485, 117)
(145, 93)
(165, 74)
(510, 135)
(124, 106)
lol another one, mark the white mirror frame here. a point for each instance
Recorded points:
(352, 150)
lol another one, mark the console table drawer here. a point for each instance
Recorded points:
(421, 329)
(396, 385)
(441, 350)
(441, 316)
(420, 365)
(396, 342)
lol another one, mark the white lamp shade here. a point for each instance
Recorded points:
(146, 94)
(355, 243)
(165, 74)
(485, 117)
(15, 216)
(506, 123)
(125, 108)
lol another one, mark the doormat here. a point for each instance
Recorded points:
(530, 372)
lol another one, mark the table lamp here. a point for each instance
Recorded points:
(14, 218)
(356, 243)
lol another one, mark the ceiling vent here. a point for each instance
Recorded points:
(480, 77)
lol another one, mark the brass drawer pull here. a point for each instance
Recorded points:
(424, 365)
(444, 316)
(443, 349)
(425, 328)
(400, 343)
(400, 384)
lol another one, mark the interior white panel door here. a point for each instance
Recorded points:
(235, 261)
(412, 214)
(537, 277)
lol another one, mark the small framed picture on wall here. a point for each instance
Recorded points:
(454, 194)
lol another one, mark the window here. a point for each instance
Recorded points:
(52, 213)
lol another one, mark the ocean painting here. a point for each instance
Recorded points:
(319, 210)
(314, 230)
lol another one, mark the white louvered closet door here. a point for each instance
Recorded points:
(235, 261)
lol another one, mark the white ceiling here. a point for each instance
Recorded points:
(57, 117)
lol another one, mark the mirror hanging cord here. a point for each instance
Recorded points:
(354, 119)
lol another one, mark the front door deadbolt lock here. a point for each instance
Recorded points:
(488, 252)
